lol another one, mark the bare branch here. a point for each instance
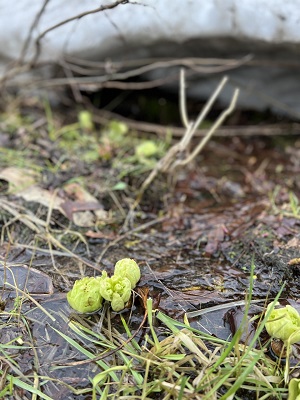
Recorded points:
(209, 134)
(278, 129)
(33, 26)
(97, 81)
(169, 162)
(75, 17)
(182, 97)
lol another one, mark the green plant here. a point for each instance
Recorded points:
(116, 289)
(128, 268)
(87, 294)
(294, 389)
(283, 323)
(85, 120)
(146, 152)
(294, 203)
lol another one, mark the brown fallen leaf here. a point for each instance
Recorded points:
(78, 193)
(18, 178)
(214, 238)
(25, 278)
(193, 298)
(78, 205)
(42, 196)
(294, 261)
(70, 207)
(100, 235)
(294, 242)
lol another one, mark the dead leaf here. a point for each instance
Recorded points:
(294, 261)
(295, 242)
(100, 235)
(83, 196)
(18, 178)
(42, 196)
(80, 207)
(25, 278)
(194, 298)
(70, 207)
(214, 238)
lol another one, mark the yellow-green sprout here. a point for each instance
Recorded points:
(284, 323)
(148, 148)
(294, 389)
(129, 269)
(145, 151)
(86, 120)
(116, 289)
(85, 297)
(88, 293)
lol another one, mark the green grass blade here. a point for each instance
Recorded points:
(87, 353)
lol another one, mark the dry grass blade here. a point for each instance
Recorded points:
(31, 299)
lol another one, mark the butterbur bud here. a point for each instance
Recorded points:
(85, 297)
(146, 149)
(294, 389)
(88, 293)
(116, 289)
(128, 268)
(284, 323)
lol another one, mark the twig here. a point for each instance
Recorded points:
(278, 129)
(112, 79)
(67, 253)
(31, 299)
(182, 108)
(169, 162)
(31, 29)
(128, 233)
(19, 66)
(66, 21)
(206, 65)
(209, 134)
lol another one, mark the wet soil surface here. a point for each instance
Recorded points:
(195, 234)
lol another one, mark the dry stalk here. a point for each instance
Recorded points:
(172, 160)
(279, 129)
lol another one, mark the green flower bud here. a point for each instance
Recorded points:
(117, 303)
(85, 296)
(146, 149)
(284, 324)
(294, 389)
(116, 289)
(86, 120)
(129, 269)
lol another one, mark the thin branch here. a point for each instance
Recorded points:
(33, 26)
(99, 80)
(209, 134)
(187, 62)
(66, 21)
(169, 161)
(185, 141)
(182, 97)
(121, 237)
(210, 102)
(278, 129)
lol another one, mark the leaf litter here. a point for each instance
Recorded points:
(198, 240)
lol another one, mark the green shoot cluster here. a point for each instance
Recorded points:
(87, 294)
(284, 323)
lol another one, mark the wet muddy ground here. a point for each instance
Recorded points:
(195, 234)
